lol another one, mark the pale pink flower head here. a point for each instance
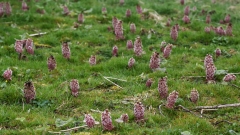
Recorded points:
(24, 6)
(66, 10)
(7, 74)
(138, 47)
(104, 10)
(194, 96)
(1, 9)
(229, 78)
(131, 62)
(182, 2)
(81, 18)
(186, 19)
(139, 9)
(210, 71)
(66, 50)
(92, 60)
(218, 52)
(115, 51)
(124, 117)
(129, 44)
(74, 86)
(89, 120)
(220, 31)
(114, 22)
(174, 33)
(19, 46)
(121, 2)
(51, 63)
(207, 29)
(29, 46)
(186, 10)
(167, 51)
(168, 23)
(208, 19)
(139, 111)
(171, 100)
(177, 27)
(8, 9)
(128, 13)
(208, 60)
(229, 30)
(154, 61)
(227, 18)
(163, 87)
(106, 120)
(119, 30)
(132, 27)
(163, 45)
(149, 82)
(29, 91)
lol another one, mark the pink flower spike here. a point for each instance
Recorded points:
(139, 112)
(182, 2)
(92, 60)
(171, 100)
(132, 27)
(29, 46)
(149, 82)
(218, 52)
(163, 87)
(51, 63)
(1, 9)
(81, 18)
(167, 51)
(194, 96)
(74, 86)
(229, 78)
(8, 9)
(174, 33)
(66, 50)
(19, 46)
(104, 10)
(115, 51)
(229, 30)
(139, 9)
(124, 117)
(24, 6)
(208, 19)
(186, 10)
(106, 120)
(186, 19)
(131, 62)
(119, 30)
(89, 120)
(128, 13)
(154, 61)
(7, 74)
(138, 47)
(227, 18)
(129, 44)
(66, 10)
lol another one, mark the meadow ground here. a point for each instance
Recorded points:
(54, 109)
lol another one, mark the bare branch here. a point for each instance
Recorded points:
(38, 34)
(112, 82)
(70, 129)
(96, 110)
(217, 106)
(115, 78)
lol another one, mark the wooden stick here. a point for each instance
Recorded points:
(217, 106)
(54, 132)
(96, 111)
(70, 129)
(115, 78)
(38, 34)
(112, 82)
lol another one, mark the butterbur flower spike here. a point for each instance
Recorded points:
(129, 44)
(115, 51)
(121, 2)
(139, 9)
(174, 33)
(210, 71)
(24, 6)
(138, 47)
(124, 117)
(119, 30)
(171, 100)
(74, 86)
(81, 18)
(131, 62)
(229, 30)
(163, 87)
(114, 22)
(207, 29)
(186, 10)
(163, 45)
(104, 10)
(106, 120)
(1, 9)
(149, 82)
(139, 112)
(167, 51)
(19, 46)
(128, 13)
(89, 120)
(8, 9)
(177, 27)
(66, 50)
(29, 46)
(194, 96)
(29, 91)
(208, 60)
(65, 10)
(92, 60)
(218, 52)
(182, 2)
(186, 19)
(154, 61)
(132, 27)
(227, 18)
(168, 23)
(51, 62)
(7, 74)
(229, 78)
(208, 19)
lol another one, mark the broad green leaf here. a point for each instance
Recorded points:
(221, 72)
(60, 123)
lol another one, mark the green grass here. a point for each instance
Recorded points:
(54, 100)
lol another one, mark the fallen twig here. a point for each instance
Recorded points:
(96, 111)
(115, 78)
(218, 122)
(217, 106)
(52, 132)
(70, 129)
(160, 110)
(38, 34)
(187, 110)
(112, 82)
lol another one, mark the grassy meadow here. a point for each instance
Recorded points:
(55, 109)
